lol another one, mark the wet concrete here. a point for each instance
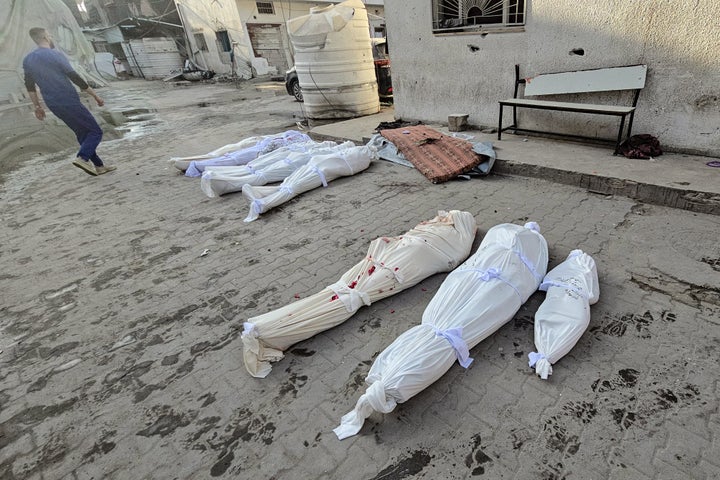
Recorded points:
(120, 343)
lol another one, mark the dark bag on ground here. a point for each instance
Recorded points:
(641, 146)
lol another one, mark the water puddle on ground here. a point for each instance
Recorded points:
(131, 122)
(126, 120)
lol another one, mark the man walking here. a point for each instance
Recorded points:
(51, 71)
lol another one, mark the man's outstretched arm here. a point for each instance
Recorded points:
(82, 84)
(34, 97)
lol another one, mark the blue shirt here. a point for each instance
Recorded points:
(49, 69)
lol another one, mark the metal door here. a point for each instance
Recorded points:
(268, 41)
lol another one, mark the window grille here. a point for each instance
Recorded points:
(475, 15)
(265, 8)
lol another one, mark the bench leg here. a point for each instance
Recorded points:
(500, 122)
(630, 123)
(619, 137)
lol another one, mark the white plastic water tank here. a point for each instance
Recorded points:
(334, 61)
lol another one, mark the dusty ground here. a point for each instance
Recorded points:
(120, 343)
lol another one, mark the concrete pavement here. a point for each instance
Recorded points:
(121, 356)
(674, 180)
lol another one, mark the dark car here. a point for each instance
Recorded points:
(292, 84)
(382, 74)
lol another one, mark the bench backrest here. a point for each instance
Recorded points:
(581, 81)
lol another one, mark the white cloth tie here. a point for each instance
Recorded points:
(256, 206)
(352, 298)
(319, 174)
(454, 336)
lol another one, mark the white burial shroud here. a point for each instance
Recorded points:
(319, 171)
(244, 155)
(182, 163)
(474, 301)
(564, 316)
(268, 168)
(392, 264)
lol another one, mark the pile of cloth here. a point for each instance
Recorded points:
(438, 156)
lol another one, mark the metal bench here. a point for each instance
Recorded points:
(581, 81)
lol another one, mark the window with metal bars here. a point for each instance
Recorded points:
(476, 15)
(265, 8)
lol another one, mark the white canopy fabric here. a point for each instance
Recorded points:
(17, 17)
(244, 155)
(319, 171)
(22, 136)
(268, 168)
(564, 316)
(182, 163)
(392, 264)
(474, 301)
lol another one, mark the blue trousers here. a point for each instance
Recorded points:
(87, 131)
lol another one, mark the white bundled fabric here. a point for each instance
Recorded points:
(319, 171)
(243, 156)
(474, 301)
(268, 168)
(392, 264)
(182, 163)
(564, 316)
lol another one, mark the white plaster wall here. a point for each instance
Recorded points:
(201, 16)
(437, 75)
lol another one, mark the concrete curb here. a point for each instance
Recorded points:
(692, 200)
(584, 166)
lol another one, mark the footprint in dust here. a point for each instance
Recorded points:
(640, 323)
(625, 378)
(477, 457)
(558, 438)
(405, 467)
(102, 446)
(244, 426)
(302, 352)
(291, 386)
(585, 411)
(665, 399)
(357, 378)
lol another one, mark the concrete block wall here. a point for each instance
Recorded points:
(435, 75)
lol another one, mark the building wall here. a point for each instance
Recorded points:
(285, 10)
(437, 75)
(201, 17)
